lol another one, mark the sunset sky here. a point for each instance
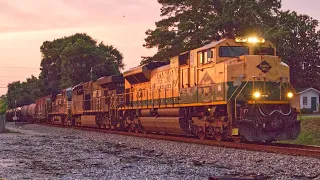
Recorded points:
(25, 24)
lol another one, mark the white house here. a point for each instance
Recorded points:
(306, 98)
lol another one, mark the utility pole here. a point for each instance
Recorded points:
(15, 118)
(15, 107)
(91, 73)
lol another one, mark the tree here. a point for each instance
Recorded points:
(298, 45)
(188, 24)
(24, 92)
(80, 57)
(68, 61)
(3, 104)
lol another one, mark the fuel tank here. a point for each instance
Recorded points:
(169, 112)
(88, 121)
(166, 112)
(170, 125)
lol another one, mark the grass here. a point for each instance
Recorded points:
(10, 131)
(308, 117)
(310, 131)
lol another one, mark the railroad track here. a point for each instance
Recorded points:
(289, 149)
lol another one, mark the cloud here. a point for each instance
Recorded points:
(26, 24)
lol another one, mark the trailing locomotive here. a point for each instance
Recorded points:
(230, 89)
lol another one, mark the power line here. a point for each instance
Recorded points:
(16, 67)
(12, 76)
(20, 70)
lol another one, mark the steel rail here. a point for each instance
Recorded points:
(288, 149)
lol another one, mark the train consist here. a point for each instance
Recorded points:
(230, 89)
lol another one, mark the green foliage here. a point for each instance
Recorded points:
(188, 24)
(310, 132)
(24, 92)
(65, 62)
(297, 42)
(3, 104)
(68, 61)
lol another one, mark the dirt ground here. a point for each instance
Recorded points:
(41, 152)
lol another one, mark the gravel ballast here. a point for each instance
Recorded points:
(40, 152)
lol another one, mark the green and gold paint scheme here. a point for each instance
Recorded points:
(208, 75)
(225, 88)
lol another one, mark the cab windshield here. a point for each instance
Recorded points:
(264, 51)
(233, 51)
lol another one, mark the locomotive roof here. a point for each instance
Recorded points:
(211, 45)
(78, 85)
(216, 43)
(111, 79)
(140, 69)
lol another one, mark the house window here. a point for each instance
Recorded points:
(305, 100)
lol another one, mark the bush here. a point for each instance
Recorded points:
(306, 111)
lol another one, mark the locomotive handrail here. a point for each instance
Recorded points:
(235, 91)
(235, 100)
(253, 77)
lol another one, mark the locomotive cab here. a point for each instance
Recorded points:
(243, 82)
(259, 94)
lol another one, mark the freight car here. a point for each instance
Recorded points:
(230, 89)
(28, 113)
(43, 107)
(11, 113)
(25, 114)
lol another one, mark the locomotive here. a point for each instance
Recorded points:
(235, 88)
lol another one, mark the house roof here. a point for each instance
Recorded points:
(302, 90)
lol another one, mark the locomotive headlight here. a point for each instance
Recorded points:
(257, 95)
(241, 39)
(256, 40)
(290, 95)
(249, 40)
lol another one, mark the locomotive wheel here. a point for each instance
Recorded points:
(202, 135)
(218, 136)
(131, 128)
(107, 124)
(136, 130)
(237, 139)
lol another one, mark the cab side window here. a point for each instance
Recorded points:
(206, 56)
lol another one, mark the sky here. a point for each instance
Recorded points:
(26, 24)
